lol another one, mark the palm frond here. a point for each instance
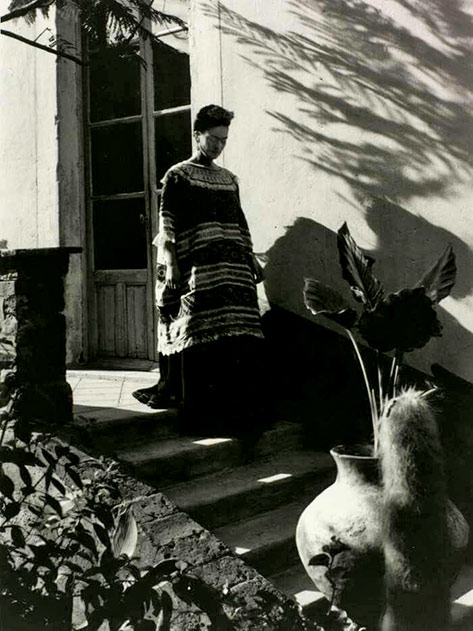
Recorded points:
(104, 21)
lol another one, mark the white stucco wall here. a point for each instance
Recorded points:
(41, 161)
(28, 137)
(349, 111)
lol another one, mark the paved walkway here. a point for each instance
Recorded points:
(106, 394)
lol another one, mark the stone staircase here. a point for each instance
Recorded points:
(253, 507)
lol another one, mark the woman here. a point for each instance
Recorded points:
(210, 338)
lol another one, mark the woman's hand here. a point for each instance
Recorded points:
(173, 275)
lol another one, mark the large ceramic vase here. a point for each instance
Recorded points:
(339, 537)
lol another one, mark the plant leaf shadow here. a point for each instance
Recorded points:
(366, 104)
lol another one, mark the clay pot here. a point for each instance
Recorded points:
(339, 535)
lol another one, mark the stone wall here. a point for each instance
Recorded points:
(238, 593)
(33, 332)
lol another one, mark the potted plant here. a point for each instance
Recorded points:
(401, 471)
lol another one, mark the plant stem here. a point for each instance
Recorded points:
(371, 397)
(392, 372)
(399, 355)
(47, 49)
(333, 584)
(380, 383)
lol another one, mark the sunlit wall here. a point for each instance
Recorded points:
(349, 111)
(41, 155)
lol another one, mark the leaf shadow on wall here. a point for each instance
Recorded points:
(369, 97)
(381, 107)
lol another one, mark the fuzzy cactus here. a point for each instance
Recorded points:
(416, 544)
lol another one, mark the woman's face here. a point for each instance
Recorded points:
(212, 141)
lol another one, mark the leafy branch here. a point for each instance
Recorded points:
(335, 619)
(107, 23)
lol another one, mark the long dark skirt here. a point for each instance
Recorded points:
(220, 387)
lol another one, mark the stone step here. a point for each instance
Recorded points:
(295, 583)
(267, 541)
(185, 457)
(462, 600)
(220, 498)
(109, 429)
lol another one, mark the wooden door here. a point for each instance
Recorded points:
(138, 125)
(120, 288)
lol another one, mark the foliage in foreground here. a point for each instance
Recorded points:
(67, 541)
(67, 545)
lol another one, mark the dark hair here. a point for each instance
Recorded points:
(212, 116)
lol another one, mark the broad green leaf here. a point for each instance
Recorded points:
(73, 458)
(165, 615)
(53, 503)
(59, 485)
(86, 540)
(75, 477)
(161, 570)
(6, 455)
(356, 270)
(25, 476)
(322, 300)
(125, 537)
(35, 510)
(50, 459)
(320, 559)
(440, 278)
(27, 458)
(74, 567)
(11, 510)
(17, 536)
(7, 487)
(134, 571)
(61, 450)
(102, 534)
(336, 546)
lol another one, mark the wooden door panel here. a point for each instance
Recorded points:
(137, 321)
(122, 320)
(106, 319)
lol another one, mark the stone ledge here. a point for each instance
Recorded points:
(29, 252)
(26, 260)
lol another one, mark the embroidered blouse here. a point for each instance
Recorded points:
(200, 213)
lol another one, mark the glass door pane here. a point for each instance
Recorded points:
(172, 139)
(119, 234)
(172, 86)
(114, 85)
(117, 159)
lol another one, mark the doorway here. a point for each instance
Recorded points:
(138, 123)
